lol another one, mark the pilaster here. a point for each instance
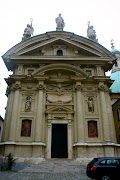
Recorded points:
(105, 121)
(14, 116)
(39, 116)
(79, 113)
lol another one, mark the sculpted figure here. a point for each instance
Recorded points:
(28, 32)
(60, 23)
(91, 34)
(28, 104)
(90, 105)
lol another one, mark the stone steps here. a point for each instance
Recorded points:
(56, 166)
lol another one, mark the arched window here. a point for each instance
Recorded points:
(92, 129)
(59, 53)
(26, 128)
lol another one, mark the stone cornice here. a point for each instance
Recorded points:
(23, 143)
(79, 58)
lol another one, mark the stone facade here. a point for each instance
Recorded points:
(59, 79)
(1, 126)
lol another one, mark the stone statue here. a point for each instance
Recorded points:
(90, 105)
(28, 32)
(28, 104)
(91, 34)
(60, 23)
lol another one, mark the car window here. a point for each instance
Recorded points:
(103, 162)
(115, 161)
(112, 162)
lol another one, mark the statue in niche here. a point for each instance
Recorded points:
(60, 23)
(90, 104)
(28, 104)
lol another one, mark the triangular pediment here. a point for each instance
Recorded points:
(44, 47)
(48, 47)
(59, 109)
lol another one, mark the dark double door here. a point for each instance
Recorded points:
(59, 147)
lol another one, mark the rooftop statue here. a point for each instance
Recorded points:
(91, 34)
(28, 32)
(60, 23)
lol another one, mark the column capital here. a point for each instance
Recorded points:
(78, 87)
(40, 87)
(15, 87)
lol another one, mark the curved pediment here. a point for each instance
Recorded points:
(56, 67)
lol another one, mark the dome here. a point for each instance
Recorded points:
(114, 50)
(115, 87)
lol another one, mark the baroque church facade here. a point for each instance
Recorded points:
(59, 102)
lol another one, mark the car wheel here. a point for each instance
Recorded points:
(105, 177)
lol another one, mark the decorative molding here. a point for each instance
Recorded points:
(23, 143)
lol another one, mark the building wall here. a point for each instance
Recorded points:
(1, 127)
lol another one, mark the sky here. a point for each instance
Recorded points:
(104, 15)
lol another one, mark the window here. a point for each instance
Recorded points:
(30, 71)
(89, 72)
(26, 128)
(92, 129)
(59, 53)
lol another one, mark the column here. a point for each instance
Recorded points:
(49, 135)
(106, 129)
(39, 116)
(15, 109)
(79, 114)
(70, 151)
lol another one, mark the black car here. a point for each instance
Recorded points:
(104, 168)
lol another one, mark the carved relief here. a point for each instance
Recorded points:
(59, 116)
(59, 87)
(55, 98)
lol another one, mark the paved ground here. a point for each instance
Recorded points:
(49, 170)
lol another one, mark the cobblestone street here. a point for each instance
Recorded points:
(49, 170)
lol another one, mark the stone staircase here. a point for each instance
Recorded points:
(56, 166)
